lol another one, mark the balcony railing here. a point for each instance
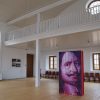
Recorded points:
(69, 20)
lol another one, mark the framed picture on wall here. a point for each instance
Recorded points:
(18, 65)
(13, 65)
(16, 62)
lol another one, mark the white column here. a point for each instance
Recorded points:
(0, 57)
(37, 72)
(37, 76)
(2, 39)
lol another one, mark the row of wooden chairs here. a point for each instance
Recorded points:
(92, 77)
(88, 77)
(51, 74)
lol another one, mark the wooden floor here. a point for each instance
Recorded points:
(23, 89)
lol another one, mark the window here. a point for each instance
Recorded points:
(96, 61)
(52, 62)
(94, 7)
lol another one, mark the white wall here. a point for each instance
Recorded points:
(3, 29)
(88, 65)
(44, 61)
(6, 55)
(87, 54)
(93, 50)
(9, 72)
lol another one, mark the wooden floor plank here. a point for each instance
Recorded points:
(24, 89)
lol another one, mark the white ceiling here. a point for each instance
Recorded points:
(44, 16)
(72, 41)
(11, 9)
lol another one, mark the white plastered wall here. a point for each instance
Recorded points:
(9, 72)
(87, 55)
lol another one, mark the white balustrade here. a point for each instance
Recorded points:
(80, 17)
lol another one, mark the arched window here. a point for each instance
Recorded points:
(94, 7)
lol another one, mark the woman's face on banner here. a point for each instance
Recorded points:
(70, 68)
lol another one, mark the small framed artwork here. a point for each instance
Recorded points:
(16, 62)
(13, 65)
(18, 65)
(13, 60)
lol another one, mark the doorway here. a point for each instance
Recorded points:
(30, 59)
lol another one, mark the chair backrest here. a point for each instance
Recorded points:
(53, 72)
(86, 74)
(46, 73)
(97, 75)
(49, 72)
(91, 74)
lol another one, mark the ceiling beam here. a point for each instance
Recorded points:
(58, 3)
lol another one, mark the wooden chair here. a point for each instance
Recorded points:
(86, 77)
(53, 75)
(46, 74)
(57, 75)
(97, 77)
(49, 74)
(92, 77)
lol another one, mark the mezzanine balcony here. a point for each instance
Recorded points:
(72, 22)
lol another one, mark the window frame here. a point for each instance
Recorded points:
(94, 59)
(88, 7)
(53, 62)
(92, 2)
